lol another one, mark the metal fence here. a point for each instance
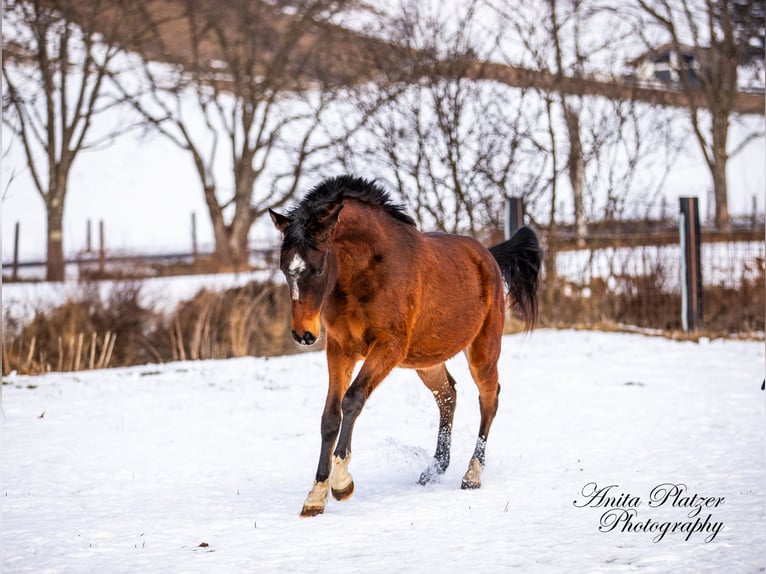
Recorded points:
(642, 284)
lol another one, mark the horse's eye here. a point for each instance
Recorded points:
(319, 272)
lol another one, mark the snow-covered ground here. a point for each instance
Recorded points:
(132, 470)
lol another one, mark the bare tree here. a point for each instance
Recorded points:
(452, 147)
(251, 90)
(571, 106)
(719, 34)
(56, 59)
(598, 147)
(600, 141)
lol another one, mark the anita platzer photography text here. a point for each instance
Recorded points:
(622, 511)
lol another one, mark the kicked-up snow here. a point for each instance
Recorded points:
(610, 453)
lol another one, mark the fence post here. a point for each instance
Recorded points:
(88, 241)
(16, 234)
(101, 248)
(691, 268)
(195, 253)
(514, 215)
(754, 216)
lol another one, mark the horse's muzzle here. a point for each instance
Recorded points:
(306, 339)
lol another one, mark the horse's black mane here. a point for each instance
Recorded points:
(332, 191)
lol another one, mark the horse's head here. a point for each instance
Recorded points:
(304, 259)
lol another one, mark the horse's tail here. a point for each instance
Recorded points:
(519, 259)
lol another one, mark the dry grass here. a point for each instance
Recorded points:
(641, 303)
(93, 331)
(249, 320)
(86, 332)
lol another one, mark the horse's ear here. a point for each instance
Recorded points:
(280, 221)
(326, 222)
(331, 217)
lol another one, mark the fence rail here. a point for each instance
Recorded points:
(567, 240)
(147, 265)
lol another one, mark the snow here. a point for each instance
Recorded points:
(132, 469)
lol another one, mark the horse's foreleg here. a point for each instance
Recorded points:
(380, 361)
(442, 385)
(340, 368)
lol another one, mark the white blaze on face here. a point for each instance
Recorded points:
(296, 267)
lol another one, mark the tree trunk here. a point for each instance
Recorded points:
(231, 241)
(237, 239)
(239, 249)
(720, 158)
(54, 267)
(223, 254)
(576, 170)
(244, 216)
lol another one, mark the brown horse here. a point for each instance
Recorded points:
(392, 296)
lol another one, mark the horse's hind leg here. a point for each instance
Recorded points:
(442, 385)
(482, 360)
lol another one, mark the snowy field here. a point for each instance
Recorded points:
(203, 466)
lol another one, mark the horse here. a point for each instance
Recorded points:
(392, 296)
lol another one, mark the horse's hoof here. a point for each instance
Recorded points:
(315, 501)
(472, 477)
(433, 472)
(309, 511)
(341, 483)
(426, 476)
(343, 493)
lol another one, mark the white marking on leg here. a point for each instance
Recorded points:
(472, 477)
(317, 497)
(340, 478)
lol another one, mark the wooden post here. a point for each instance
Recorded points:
(691, 268)
(754, 216)
(514, 215)
(194, 236)
(16, 235)
(101, 248)
(88, 237)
